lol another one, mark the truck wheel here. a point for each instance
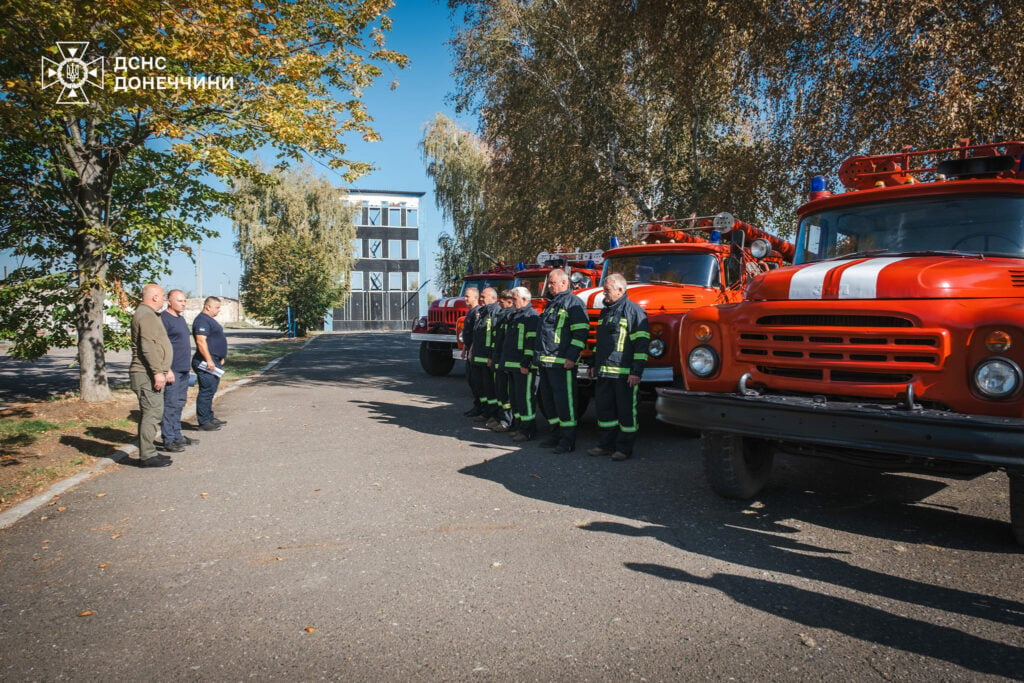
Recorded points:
(1017, 505)
(436, 363)
(735, 466)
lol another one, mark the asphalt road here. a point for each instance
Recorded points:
(349, 524)
(57, 372)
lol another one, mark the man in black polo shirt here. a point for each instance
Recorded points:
(176, 394)
(211, 350)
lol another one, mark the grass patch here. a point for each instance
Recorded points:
(15, 432)
(253, 358)
(33, 478)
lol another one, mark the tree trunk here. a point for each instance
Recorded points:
(92, 362)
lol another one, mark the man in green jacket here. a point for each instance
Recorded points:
(150, 371)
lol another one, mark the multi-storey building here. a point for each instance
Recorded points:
(385, 279)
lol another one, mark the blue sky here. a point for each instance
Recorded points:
(421, 30)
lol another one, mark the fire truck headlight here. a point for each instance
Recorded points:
(997, 378)
(702, 361)
(579, 280)
(656, 348)
(760, 248)
(421, 322)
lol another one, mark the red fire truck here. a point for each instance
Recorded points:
(583, 268)
(896, 341)
(439, 330)
(677, 265)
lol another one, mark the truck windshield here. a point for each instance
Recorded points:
(682, 269)
(534, 283)
(985, 224)
(483, 283)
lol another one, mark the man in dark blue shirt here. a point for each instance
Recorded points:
(176, 393)
(211, 350)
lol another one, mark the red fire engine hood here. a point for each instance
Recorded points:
(651, 298)
(449, 302)
(893, 277)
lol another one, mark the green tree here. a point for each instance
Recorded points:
(96, 194)
(458, 162)
(294, 234)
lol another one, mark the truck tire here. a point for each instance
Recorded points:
(735, 466)
(1017, 505)
(436, 363)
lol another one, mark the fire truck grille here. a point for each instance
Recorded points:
(878, 350)
(1017, 278)
(444, 317)
(835, 321)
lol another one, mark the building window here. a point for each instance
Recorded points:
(395, 282)
(395, 249)
(412, 249)
(413, 280)
(395, 218)
(356, 280)
(410, 218)
(376, 250)
(372, 216)
(357, 248)
(376, 282)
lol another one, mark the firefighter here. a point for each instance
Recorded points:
(619, 359)
(481, 347)
(502, 420)
(517, 354)
(472, 295)
(561, 336)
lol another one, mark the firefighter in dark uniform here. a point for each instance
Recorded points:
(517, 356)
(619, 359)
(472, 300)
(480, 350)
(502, 420)
(561, 336)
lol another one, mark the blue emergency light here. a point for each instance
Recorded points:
(716, 237)
(819, 184)
(521, 266)
(590, 263)
(614, 241)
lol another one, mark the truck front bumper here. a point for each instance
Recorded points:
(931, 434)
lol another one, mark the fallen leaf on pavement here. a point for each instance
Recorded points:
(310, 629)
(100, 495)
(86, 613)
(103, 566)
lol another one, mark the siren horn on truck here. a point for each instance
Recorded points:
(712, 229)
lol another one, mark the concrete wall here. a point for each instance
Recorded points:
(230, 310)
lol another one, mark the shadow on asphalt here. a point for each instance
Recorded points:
(667, 495)
(663, 489)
